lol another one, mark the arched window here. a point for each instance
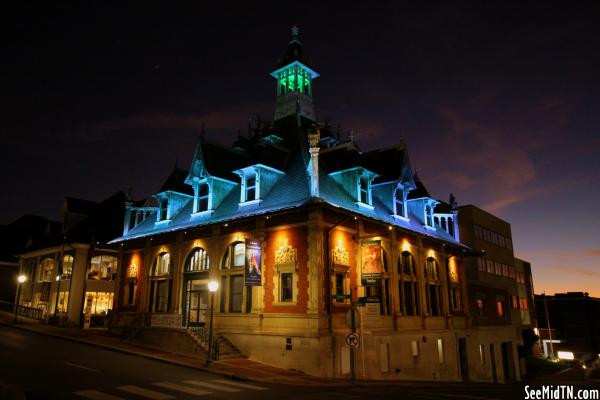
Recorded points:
(434, 287)
(162, 265)
(160, 284)
(408, 286)
(235, 256)
(46, 268)
(406, 265)
(67, 267)
(103, 268)
(197, 261)
(233, 290)
(431, 269)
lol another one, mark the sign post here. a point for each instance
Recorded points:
(88, 312)
(353, 328)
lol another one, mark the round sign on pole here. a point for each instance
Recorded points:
(352, 340)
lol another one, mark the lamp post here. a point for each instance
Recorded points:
(20, 280)
(57, 295)
(213, 286)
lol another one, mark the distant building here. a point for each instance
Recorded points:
(574, 321)
(25, 232)
(73, 267)
(499, 288)
(295, 223)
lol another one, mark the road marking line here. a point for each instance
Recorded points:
(96, 395)
(242, 385)
(213, 386)
(82, 367)
(151, 394)
(181, 388)
(462, 396)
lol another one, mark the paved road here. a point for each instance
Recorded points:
(45, 367)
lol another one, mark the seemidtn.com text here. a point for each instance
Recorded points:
(560, 392)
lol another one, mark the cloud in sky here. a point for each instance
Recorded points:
(481, 161)
(579, 271)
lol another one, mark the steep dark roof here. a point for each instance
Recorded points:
(80, 206)
(387, 163)
(339, 158)
(175, 182)
(420, 190)
(105, 223)
(221, 161)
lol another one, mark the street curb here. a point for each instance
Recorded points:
(123, 350)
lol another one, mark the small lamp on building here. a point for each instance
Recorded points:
(213, 286)
(20, 280)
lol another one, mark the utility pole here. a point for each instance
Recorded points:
(548, 322)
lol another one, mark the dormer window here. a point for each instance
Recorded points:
(364, 190)
(250, 190)
(400, 203)
(256, 182)
(203, 197)
(429, 215)
(163, 206)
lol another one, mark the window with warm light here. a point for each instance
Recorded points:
(103, 267)
(67, 267)
(500, 308)
(408, 285)
(433, 288)
(46, 269)
(286, 287)
(197, 261)
(160, 284)
(235, 297)
(101, 302)
(480, 306)
(63, 302)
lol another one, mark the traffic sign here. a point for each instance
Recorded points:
(352, 340)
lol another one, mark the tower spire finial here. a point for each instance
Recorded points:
(295, 31)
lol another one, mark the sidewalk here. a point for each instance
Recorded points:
(242, 369)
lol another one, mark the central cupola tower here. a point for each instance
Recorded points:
(294, 82)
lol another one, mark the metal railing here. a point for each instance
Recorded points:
(202, 334)
(29, 312)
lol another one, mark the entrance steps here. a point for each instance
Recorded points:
(224, 349)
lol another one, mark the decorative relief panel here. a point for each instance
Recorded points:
(341, 256)
(285, 254)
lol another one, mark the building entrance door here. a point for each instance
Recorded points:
(507, 361)
(463, 359)
(197, 302)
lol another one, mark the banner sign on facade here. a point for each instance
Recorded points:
(45, 293)
(253, 265)
(372, 263)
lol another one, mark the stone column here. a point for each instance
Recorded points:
(315, 237)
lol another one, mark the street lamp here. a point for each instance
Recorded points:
(20, 280)
(57, 295)
(213, 286)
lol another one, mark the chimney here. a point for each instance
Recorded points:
(314, 135)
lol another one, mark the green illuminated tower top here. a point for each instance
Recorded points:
(294, 82)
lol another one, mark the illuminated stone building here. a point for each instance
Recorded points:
(294, 224)
(72, 267)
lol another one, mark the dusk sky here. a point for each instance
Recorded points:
(499, 105)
